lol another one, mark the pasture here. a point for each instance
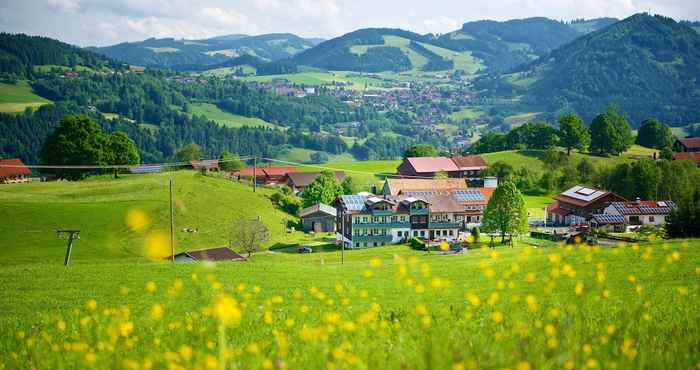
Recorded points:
(227, 119)
(15, 98)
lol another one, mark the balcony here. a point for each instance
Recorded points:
(419, 212)
(445, 225)
(382, 212)
(384, 225)
(372, 238)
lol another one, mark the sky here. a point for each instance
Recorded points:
(107, 22)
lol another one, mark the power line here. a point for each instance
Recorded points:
(98, 167)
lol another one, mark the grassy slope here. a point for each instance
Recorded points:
(225, 71)
(316, 78)
(663, 332)
(227, 119)
(18, 97)
(99, 207)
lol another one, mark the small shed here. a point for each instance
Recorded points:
(318, 218)
(221, 254)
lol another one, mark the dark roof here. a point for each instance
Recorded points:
(306, 178)
(213, 254)
(470, 162)
(13, 167)
(688, 156)
(432, 164)
(645, 207)
(691, 142)
(320, 207)
(264, 171)
(604, 219)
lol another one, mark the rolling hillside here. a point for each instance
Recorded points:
(648, 65)
(196, 54)
(99, 208)
(19, 96)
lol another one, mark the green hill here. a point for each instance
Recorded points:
(19, 96)
(99, 206)
(648, 65)
(198, 54)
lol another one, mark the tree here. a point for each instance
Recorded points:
(421, 150)
(324, 189)
(476, 234)
(573, 133)
(610, 133)
(189, 152)
(505, 212)
(319, 157)
(349, 186)
(654, 134)
(77, 140)
(500, 169)
(248, 235)
(230, 162)
(684, 221)
(120, 150)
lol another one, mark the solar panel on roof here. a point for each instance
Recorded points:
(609, 219)
(586, 191)
(468, 195)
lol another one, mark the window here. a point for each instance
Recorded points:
(415, 233)
(422, 233)
(651, 218)
(357, 245)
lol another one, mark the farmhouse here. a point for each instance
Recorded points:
(370, 220)
(689, 144)
(455, 167)
(13, 171)
(297, 181)
(577, 205)
(213, 255)
(205, 165)
(688, 156)
(397, 186)
(318, 218)
(641, 212)
(265, 175)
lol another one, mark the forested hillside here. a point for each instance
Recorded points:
(19, 54)
(648, 65)
(196, 54)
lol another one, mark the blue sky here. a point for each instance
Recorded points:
(106, 22)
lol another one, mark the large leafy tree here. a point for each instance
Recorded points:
(189, 152)
(77, 140)
(230, 162)
(610, 133)
(120, 150)
(505, 213)
(684, 221)
(421, 150)
(573, 133)
(324, 189)
(654, 134)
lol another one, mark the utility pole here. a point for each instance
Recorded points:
(72, 235)
(255, 170)
(172, 228)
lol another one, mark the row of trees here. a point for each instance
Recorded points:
(608, 134)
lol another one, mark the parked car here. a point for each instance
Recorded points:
(305, 250)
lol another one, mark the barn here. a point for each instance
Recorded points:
(13, 171)
(318, 218)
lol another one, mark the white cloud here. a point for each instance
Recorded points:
(101, 22)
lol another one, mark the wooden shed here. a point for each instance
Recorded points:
(318, 218)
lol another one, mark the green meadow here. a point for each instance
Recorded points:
(227, 119)
(119, 304)
(17, 97)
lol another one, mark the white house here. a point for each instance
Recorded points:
(641, 212)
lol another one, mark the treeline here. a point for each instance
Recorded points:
(19, 53)
(608, 134)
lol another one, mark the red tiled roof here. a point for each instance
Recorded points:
(688, 156)
(469, 162)
(207, 163)
(690, 142)
(432, 164)
(265, 171)
(15, 167)
(396, 186)
(557, 210)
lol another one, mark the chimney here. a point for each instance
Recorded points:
(639, 201)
